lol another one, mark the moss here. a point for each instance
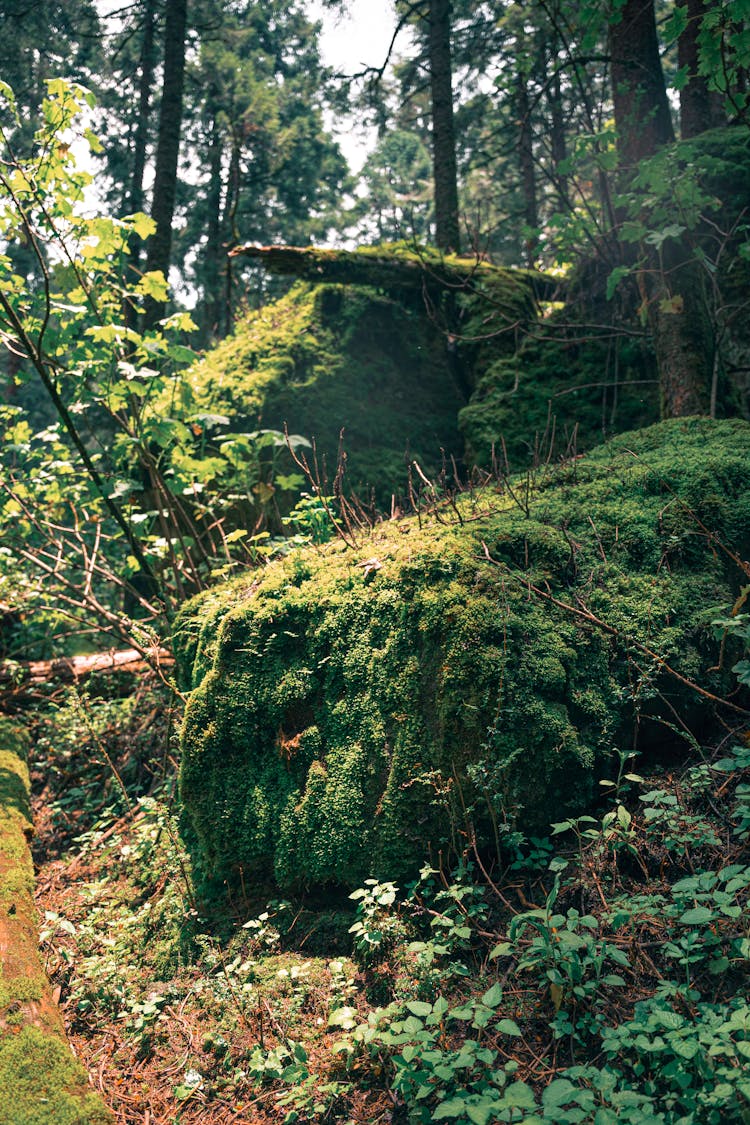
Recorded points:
(562, 391)
(373, 361)
(349, 726)
(41, 1083)
(328, 358)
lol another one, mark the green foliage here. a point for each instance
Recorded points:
(565, 950)
(343, 724)
(131, 482)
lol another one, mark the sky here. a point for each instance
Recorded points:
(349, 43)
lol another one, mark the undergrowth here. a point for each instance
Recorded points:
(598, 974)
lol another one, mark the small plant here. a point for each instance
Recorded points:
(565, 954)
(376, 928)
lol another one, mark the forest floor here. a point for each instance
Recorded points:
(165, 1017)
(491, 977)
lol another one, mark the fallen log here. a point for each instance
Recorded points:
(41, 1082)
(71, 669)
(397, 272)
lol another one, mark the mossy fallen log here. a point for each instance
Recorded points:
(357, 712)
(41, 1082)
(398, 269)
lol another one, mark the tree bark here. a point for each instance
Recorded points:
(670, 283)
(700, 108)
(228, 226)
(135, 200)
(145, 82)
(682, 331)
(526, 165)
(447, 227)
(640, 101)
(212, 274)
(558, 140)
(168, 147)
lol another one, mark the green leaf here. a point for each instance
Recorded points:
(180, 354)
(508, 1027)
(143, 225)
(698, 916)
(455, 1107)
(153, 284)
(558, 1093)
(493, 996)
(614, 280)
(419, 1008)
(520, 1096)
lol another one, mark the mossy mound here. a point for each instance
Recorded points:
(372, 360)
(41, 1083)
(562, 392)
(357, 711)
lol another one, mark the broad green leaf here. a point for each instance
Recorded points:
(419, 1007)
(153, 284)
(698, 916)
(493, 996)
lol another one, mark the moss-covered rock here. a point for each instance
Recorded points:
(41, 1083)
(378, 361)
(355, 711)
(564, 391)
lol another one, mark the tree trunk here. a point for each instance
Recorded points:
(670, 283)
(640, 101)
(168, 146)
(682, 330)
(212, 273)
(700, 108)
(135, 193)
(228, 226)
(447, 227)
(558, 140)
(145, 82)
(526, 164)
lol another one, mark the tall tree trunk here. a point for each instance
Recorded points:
(682, 331)
(670, 283)
(558, 139)
(134, 200)
(145, 82)
(700, 108)
(229, 230)
(212, 273)
(640, 101)
(168, 146)
(447, 227)
(526, 164)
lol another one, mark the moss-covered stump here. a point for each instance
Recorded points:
(356, 712)
(41, 1083)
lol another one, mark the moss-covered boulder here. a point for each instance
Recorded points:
(385, 346)
(356, 711)
(562, 392)
(41, 1082)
